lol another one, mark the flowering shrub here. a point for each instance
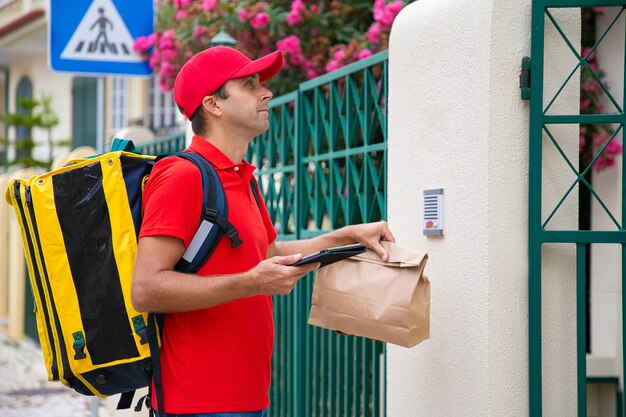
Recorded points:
(314, 37)
(593, 136)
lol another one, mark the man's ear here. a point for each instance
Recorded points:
(212, 106)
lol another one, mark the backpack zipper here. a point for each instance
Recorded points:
(67, 374)
(37, 277)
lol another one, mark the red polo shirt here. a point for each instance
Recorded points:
(216, 359)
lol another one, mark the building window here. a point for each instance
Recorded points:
(22, 134)
(119, 103)
(161, 110)
(84, 111)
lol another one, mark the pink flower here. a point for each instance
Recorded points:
(166, 43)
(199, 31)
(332, 65)
(614, 148)
(311, 74)
(293, 18)
(141, 45)
(182, 3)
(154, 60)
(167, 70)
(180, 15)
(395, 7)
(598, 9)
(364, 53)
(165, 86)
(259, 20)
(168, 34)
(243, 15)
(209, 5)
(581, 142)
(584, 103)
(339, 55)
(373, 33)
(315, 8)
(168, 54)
(390, 12)
(290, 45)
(591, 85)
(297, 5)
(153, 38)
(591, 56)
(379, 9)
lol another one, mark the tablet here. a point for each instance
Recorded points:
(332, 255)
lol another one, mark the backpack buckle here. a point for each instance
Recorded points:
(210, 214)
(233, 235)
(79, 345)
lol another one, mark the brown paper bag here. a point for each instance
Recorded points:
(364, 296)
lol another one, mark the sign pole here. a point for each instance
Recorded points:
(100, 116)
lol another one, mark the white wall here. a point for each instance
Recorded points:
(456, 121)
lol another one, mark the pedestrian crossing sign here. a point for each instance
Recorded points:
(97, 36)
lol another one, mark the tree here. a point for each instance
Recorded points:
(314, 37)
(32, 114)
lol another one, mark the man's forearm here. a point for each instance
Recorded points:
(337, 237)
(171, 291)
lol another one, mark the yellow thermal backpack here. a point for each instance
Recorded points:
(79, 227)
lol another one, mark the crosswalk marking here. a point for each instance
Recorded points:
(101, 35)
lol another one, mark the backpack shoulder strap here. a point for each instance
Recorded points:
(255, 191)
(214, 212)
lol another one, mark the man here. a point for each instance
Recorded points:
(218, 330)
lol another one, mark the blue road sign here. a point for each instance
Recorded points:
(97, 36)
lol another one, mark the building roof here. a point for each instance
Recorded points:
(23, 36)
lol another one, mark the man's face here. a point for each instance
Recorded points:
(246, 108)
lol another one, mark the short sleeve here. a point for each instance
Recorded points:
(172, 200)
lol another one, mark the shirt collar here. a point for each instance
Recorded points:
(217, 158)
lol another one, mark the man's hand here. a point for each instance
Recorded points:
(276, 276)
(370, 235)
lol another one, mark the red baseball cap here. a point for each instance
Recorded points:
(208, 70)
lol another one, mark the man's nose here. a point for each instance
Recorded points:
(266, 94)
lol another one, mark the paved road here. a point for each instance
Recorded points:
(26, 392)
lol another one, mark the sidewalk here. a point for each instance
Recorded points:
(26, 392)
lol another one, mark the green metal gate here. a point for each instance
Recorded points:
(321, 165)
(542, 118)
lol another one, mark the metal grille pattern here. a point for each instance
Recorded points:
(164, 145)
(322, 165)
(542, 122)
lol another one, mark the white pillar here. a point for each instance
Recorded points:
(456, 121)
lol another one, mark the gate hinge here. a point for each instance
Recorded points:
(524, 78)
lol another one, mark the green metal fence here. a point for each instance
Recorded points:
(321, 165)
(174, 142)
(542, 119)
